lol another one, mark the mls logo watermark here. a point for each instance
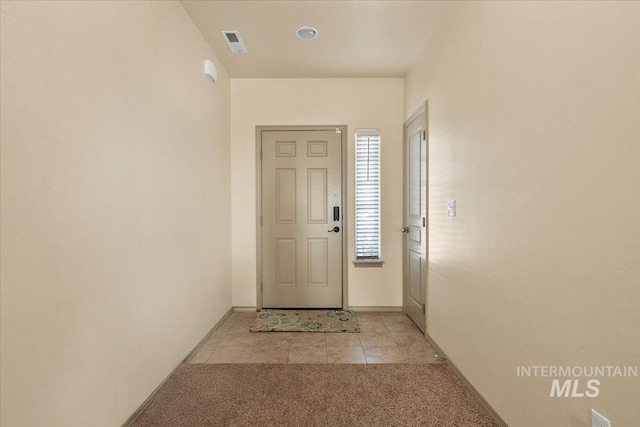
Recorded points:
(557, 390)
(576, 381)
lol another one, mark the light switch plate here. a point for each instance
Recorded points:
(451, 207)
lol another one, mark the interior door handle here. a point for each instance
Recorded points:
(334, 230)
(405, 229)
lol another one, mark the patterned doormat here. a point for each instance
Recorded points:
(306, 321)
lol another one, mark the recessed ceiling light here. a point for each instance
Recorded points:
(307, 33)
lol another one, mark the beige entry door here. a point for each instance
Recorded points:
(302, 219)
(415, 218)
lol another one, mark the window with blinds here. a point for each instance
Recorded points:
(367, 194)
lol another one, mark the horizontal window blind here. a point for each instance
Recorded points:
(367, 194)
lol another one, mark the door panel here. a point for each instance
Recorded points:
(415, 285)
(316, 148)
(285, 262)
(317, 196)
(285, 196)
(301, 184)
(415, 155)
(415, 220)
(317, 260)
(285, 149)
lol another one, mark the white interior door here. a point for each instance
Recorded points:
(301, 219)
(415, 219)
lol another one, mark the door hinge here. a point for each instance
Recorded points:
(423, 307)
(424, 221)
(424, 135)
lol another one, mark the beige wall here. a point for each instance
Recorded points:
(358, 103)
(115, 206)
(534, 130)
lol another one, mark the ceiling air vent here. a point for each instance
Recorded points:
(234, 41)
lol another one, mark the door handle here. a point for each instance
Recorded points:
(405, 229)
(334, 230)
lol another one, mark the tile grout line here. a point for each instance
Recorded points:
(399, 327)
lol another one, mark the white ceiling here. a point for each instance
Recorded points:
(356, 38)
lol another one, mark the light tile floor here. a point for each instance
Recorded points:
(385, 337)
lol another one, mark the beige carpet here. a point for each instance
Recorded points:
(314, 395)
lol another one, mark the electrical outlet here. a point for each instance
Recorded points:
(598, 420)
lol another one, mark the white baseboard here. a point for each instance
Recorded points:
(492, 413)
(132, 419)
(244, 309)
(377, 308)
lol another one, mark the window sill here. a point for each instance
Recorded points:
(368, 262)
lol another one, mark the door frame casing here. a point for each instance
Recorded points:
(422, 109)
(343, 167)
